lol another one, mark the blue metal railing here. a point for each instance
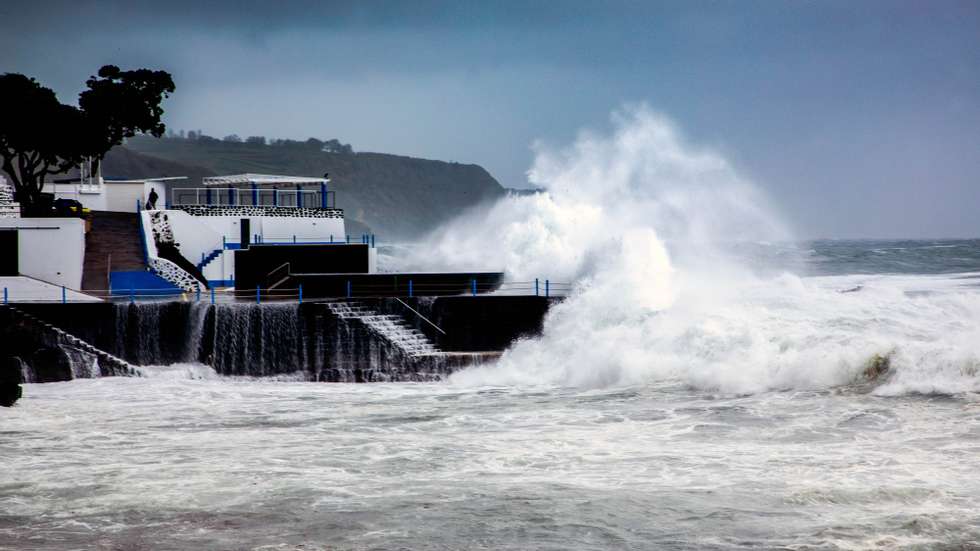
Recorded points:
(262, 294)
(259, 239)
(254, 197)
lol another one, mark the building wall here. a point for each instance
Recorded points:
(111, 196)
(199, 235)
(121, 197)
(50, 249)
(276, 228)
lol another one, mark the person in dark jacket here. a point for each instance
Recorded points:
(151, 200)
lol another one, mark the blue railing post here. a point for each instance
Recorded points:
(372, 240)
(535, 286)
(331, 239)
(323, 195)
(301, 293)
(207, 196)
(473, 281)
(299, 196)
(199, 293)
(212, 295)
(255, 194)
(64, 295)
(202, 259)
(547, 285)
(138, 208)
(5, 301)
(348, 289)
(231, 196)
(410, 290)
(275, 197)
(258, 294)
(348, 239)
(294, 239)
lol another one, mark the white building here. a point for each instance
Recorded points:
(38, 256)
(188, 239)
(207, 224)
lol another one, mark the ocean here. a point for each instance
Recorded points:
(719, 420)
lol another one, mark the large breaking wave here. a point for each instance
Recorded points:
(643, 224)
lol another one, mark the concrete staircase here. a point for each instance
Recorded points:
(112, 244)
(207, 259)
(108, 364)
(391, 327)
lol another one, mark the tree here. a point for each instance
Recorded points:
(118, 104)
(255, 140)
(38, 135)
(233, 138)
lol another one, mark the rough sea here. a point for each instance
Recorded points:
(751, 424)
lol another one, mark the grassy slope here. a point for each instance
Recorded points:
(400, 197)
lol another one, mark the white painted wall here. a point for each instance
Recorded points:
(151, 246)
(122, 197)
(222, 225)
(203, 234)
(50, 249)
(305, 229)
(110, 196)
(193, 236)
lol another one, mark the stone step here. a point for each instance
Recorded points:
(112, 244)
(391, 327)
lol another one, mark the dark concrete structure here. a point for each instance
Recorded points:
(341, 270)
(313, 338)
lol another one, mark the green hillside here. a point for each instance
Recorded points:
(399, 197)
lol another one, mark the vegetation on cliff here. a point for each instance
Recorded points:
(398, 197)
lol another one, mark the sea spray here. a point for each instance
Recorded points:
(646, 227)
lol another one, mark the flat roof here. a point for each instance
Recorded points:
(260, 179)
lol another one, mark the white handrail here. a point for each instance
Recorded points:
(425, 319)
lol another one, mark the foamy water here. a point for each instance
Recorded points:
(161, 463)
(709, 383)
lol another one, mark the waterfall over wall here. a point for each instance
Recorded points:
(369, 340)
(159, 333)
(250, 339)
(268, 339)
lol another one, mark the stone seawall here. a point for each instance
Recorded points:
(381, 343)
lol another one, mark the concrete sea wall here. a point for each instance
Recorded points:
(308, 339)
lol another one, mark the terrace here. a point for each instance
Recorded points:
(257, 190)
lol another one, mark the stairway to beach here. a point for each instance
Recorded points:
(392, 328)
(113, 244)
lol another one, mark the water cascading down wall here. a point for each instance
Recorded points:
(307, 341)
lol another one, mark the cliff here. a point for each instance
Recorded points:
(398, 197)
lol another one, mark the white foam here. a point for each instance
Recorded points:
(639, 221)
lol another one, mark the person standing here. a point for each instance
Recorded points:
(151, 200)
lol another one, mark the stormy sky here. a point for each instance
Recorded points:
(862, 119)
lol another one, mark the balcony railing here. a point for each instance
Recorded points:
(224, 197)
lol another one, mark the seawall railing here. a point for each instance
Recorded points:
(63, 295)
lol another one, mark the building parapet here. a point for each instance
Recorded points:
(245, 211)
(254, 197)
